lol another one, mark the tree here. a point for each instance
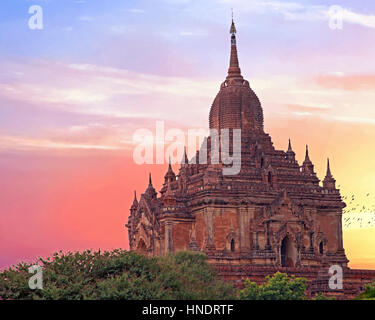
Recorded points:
(369, 293)
(277, 287)
(117, 274)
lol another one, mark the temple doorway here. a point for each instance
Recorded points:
(288, 253)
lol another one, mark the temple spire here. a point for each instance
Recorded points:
(328, 174)
(135, 196)
(290, 155)
(307, 166)
(150, 191)
(135, 201)
(232, 27)
(329, 182)
(170, 175)
(307, 154)
(234, 70)
(184, 159)
(289, 146)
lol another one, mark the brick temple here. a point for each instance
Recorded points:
(274, 215)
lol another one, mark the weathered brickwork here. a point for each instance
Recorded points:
(274, 215)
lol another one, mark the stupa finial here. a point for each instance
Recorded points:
(234, 70)
(232, 27)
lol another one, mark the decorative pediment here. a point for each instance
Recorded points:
(283, 203)
(321, 238)
(287, 230)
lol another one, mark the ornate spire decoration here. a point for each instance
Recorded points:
(184, 169)
(232, 27)
(307, 154)
(289, 146)
(234, 70)
(328, 174)
(290, 155)
(150, 191)
(329, 182)
(135, 201)
(134, 206)
(130, 225)
(307, 166)
(170, 175)
(184, 159)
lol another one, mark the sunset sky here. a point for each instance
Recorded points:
(73, 94)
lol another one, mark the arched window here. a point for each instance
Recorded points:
(321, 248)
(288, 253)
(232, 245)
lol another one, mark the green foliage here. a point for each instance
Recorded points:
(369, 293)
(277, 287)
(321, 296)
(118, 274)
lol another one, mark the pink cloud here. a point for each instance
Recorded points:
(350, 82)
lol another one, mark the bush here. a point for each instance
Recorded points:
(369, 293)
(321, 296)
(118, 274)
(277, 287)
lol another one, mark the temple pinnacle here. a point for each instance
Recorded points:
(289, 146)
(234, 70)
(232, 27)
(328, 174)
(307, 154)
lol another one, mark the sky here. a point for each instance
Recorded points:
(73, 93)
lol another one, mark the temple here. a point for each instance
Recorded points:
(273, 215)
